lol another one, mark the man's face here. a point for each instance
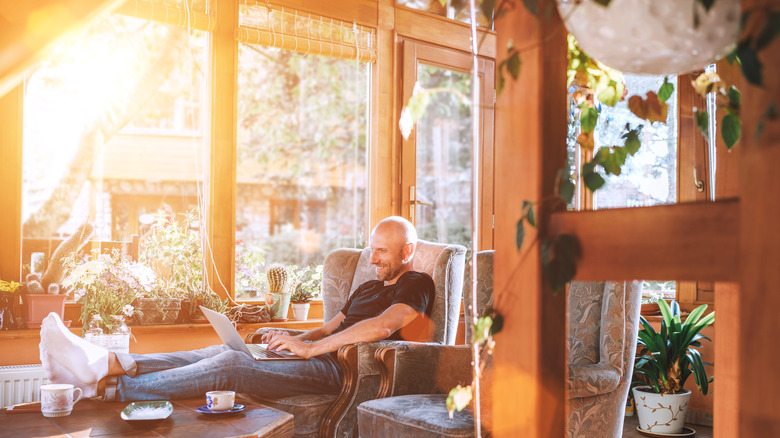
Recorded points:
(387, 256)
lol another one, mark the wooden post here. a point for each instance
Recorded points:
(221, 205)
(11, 183)
(753, 405)
(529, 397)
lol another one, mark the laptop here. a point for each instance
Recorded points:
(232, 339)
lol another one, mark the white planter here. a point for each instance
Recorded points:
(656, 37)
(661, 413)
(300, 311)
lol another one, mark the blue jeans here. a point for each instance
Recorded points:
(187, 374)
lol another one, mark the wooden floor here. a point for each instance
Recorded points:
(630, 424)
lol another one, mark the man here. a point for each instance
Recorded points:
(376, 310)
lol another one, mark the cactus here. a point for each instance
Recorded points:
(277, 279)
(67, 248)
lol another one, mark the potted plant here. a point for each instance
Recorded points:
(666, 359)
(277, 300)
(8, 297)
(306, 288)
(172, 249)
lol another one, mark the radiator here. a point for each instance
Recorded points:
(21, 384)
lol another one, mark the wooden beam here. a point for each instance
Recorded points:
(432, 28)
(755, 385)
(219, 251)
(693, 241)
(11, 183)
(529, 395)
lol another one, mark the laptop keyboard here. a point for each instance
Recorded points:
(259, 351)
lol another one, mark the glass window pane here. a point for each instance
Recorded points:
(453, 9)
(443, 142)
(301, 161)
(113, 132)
(650, 176)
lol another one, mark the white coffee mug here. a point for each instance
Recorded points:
(57, 399)
(220, 400)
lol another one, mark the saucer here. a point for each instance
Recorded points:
(147, 410)
(236, 408)
(687, 431)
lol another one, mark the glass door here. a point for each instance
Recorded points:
(436, 178)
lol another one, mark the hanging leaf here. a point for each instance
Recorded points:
(593, 181)
(458, 398)
(666, 90)
(588, 118)
(559, 260)
(611, 159)
(751, 65)
(651, 108)
(604, 3)
(513, 64)
(707, 83)
(735, 97)
(567, 189)
(528, 207)
(519, 234)
(498, 320)
(532, 6)
(707, 4)
(769, 114)
(702, 122)
(499, 80)
(769, 31)
(586, 141)
(481, 329)
(631, 137)
(730, 129)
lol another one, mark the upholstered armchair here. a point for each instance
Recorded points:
(604, 320)
(335, 415)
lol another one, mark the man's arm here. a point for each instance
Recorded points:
(310, 335)
(374, 329)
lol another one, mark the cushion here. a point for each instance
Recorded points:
(420, 415)
(308, 410)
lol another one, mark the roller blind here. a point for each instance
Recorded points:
(270, 25)
(195, 14)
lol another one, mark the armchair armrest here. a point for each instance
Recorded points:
(422, 368)
(360, 382)
(255, 338)
(593, 380)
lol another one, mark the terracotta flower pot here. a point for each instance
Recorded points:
(40, 305)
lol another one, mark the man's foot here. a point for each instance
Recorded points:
(86, 362)
(57, 373)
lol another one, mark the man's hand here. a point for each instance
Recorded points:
(286, 342)
(270, 334)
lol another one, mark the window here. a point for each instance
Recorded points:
(113, 130)
(301, 160)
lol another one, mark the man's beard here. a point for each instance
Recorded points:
(389, 272)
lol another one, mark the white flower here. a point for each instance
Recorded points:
(128, 310)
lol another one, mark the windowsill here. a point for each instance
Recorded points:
(174, 328)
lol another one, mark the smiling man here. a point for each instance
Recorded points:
(377, 310)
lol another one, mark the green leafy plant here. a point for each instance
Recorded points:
(106, 285)
(172, 249)
(667, 358)
(306, 283)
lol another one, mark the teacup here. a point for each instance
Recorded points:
(57, 399)
(220, 400)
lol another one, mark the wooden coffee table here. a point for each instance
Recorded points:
(92, 417)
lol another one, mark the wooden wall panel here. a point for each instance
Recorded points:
(11, 183)
(529, 397)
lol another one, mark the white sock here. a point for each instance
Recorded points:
(87, 362)
(57, 373)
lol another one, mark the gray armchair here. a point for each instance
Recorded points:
(329, 415)
(602, 342)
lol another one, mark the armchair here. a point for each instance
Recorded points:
(329, 415)
(604, 320)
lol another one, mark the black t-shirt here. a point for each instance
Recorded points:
(413, 288)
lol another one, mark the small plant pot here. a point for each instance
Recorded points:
(661, 413)
(40, 305)
(277, 306)
(300, 311)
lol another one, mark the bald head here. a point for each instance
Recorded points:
(393, 242)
